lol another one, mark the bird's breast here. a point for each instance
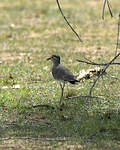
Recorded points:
(55, 73)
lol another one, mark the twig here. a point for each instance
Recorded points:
(109, 7)
(68, 21)
(117, 55)
(117, 44)
(104, 70)
(103, 9)
(97, 64)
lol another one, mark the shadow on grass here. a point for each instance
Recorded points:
(72, 123)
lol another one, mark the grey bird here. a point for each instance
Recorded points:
(61, 74)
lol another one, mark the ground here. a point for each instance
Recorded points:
(30, 32)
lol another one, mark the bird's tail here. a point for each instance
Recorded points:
(74, 81)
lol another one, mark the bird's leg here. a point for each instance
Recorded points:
(67, 91)
(62, 92)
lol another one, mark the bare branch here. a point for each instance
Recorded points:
(111, 62)
(104, 70)
(109, 7)
(68, 21)
(103, 9)
(117, 44)
(96, 64)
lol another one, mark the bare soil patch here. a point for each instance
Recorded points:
(12, 56)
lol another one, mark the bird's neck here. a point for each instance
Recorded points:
(56, 64)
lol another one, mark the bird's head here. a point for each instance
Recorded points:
(55, 59)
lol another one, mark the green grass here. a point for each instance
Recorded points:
(30, 32)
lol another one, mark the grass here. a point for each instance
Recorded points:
(30, 32)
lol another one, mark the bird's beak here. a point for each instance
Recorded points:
(49, 58)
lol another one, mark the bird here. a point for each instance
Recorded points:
(61, 74)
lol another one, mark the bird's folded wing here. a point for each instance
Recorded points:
(68, 78)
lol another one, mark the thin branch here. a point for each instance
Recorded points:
(97, 64)
(104, 70)
(103, 11)
(117, 44)
(68, 21)
(109, 7)
(111, 62)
